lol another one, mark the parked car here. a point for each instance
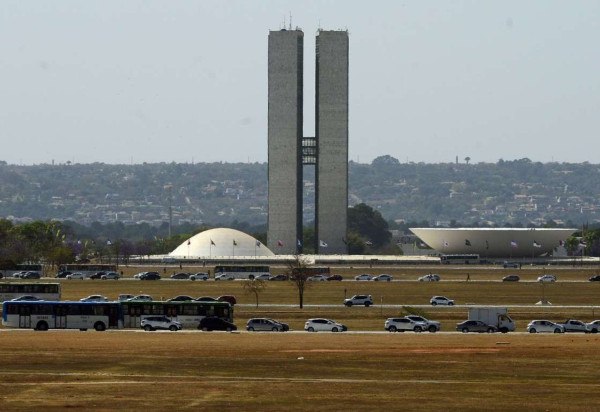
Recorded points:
(543, 326)
(180, 276)
(29, 298)
(94, 298)
(181, 298)
(279, 277)
(141, 298)
(206, 299)
(511, 278)
(546, 278)
(76, 275)
(475, 326)
(573, 325)
(364, 276)
(263, 276)
(595, 278)
(110, 276)
(363, 300)
(441, 300)
(18, 275)
(159, 322)
(266, 324)
(224, 276)
(513, 265)
(335, 278)
(431, 277)
(62, 275)
(150, 276)
(139, 275)
(227, 298)
(211, 323)
(97, 275)
(125, 296)
(593, 326)
(430, 325)
(320, 325)
(199, 276)
(403, 324)
(317, 278)
(383, 278)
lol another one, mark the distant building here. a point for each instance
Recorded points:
(290, 150)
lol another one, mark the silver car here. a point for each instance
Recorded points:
(267, 325)
(542, 326)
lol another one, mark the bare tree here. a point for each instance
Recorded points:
(254, 287)
(298, 275)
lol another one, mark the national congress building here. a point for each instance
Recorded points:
(290, 150)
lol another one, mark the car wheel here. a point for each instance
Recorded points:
(532, 330)
(100, 326)
(393, 329)
(173, 328)
(43, 326)
(367, 304)
(557, 330)
(275, 329)
(418, 329)
(147, 328)
(82, 329)
(504, 330)
(450, 303)
(490, 330)
(192, 279)
(205, 329)
(434, 303)
(432, 329)
(250, 329)
(311, 329)
(594, 330)
(228, 329)
(349, 304)
(465, 330)
(334, 329)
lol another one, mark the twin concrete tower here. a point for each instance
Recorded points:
(290, 150)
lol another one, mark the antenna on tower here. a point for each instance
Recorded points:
(284, 22)
(290, 20)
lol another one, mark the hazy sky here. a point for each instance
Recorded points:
(161, 81)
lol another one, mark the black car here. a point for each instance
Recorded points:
(511, 278)
(206, 299)
(31, 275)
(62, 275)
(279, 277)
(214, 323)
(181, 298)
(595, 278)
(150, 276)
(475, 326)
(180, 276)
(335, 277)
(97, 275)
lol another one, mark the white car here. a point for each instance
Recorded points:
(429, 278)
(324, 325)
(404, 324)
(542, 326)
(430, 325)
(141, 298)
(159, 322)
(547, 278)
(593, 326)
(364, 276)
(224, 276)
(77, 275)
(362, 300)
(94, 298)
(263, 276)
(383, 278)
(441, 300)
(317, 278)
(574, 325)
(199, 276)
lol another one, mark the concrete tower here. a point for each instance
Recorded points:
(285, 140)
(331, 124)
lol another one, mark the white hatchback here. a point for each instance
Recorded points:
(441, 300)
(94, 298)
(364, 276)
(547, 278)
(541, 326)
(324, 325)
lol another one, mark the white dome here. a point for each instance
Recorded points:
(221, 242)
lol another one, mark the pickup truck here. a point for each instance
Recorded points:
(572, 325)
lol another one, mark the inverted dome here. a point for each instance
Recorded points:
(221, 242)
(493, 242)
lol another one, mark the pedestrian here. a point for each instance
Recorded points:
(468, 277)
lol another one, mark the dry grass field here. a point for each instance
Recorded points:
(135, 370)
